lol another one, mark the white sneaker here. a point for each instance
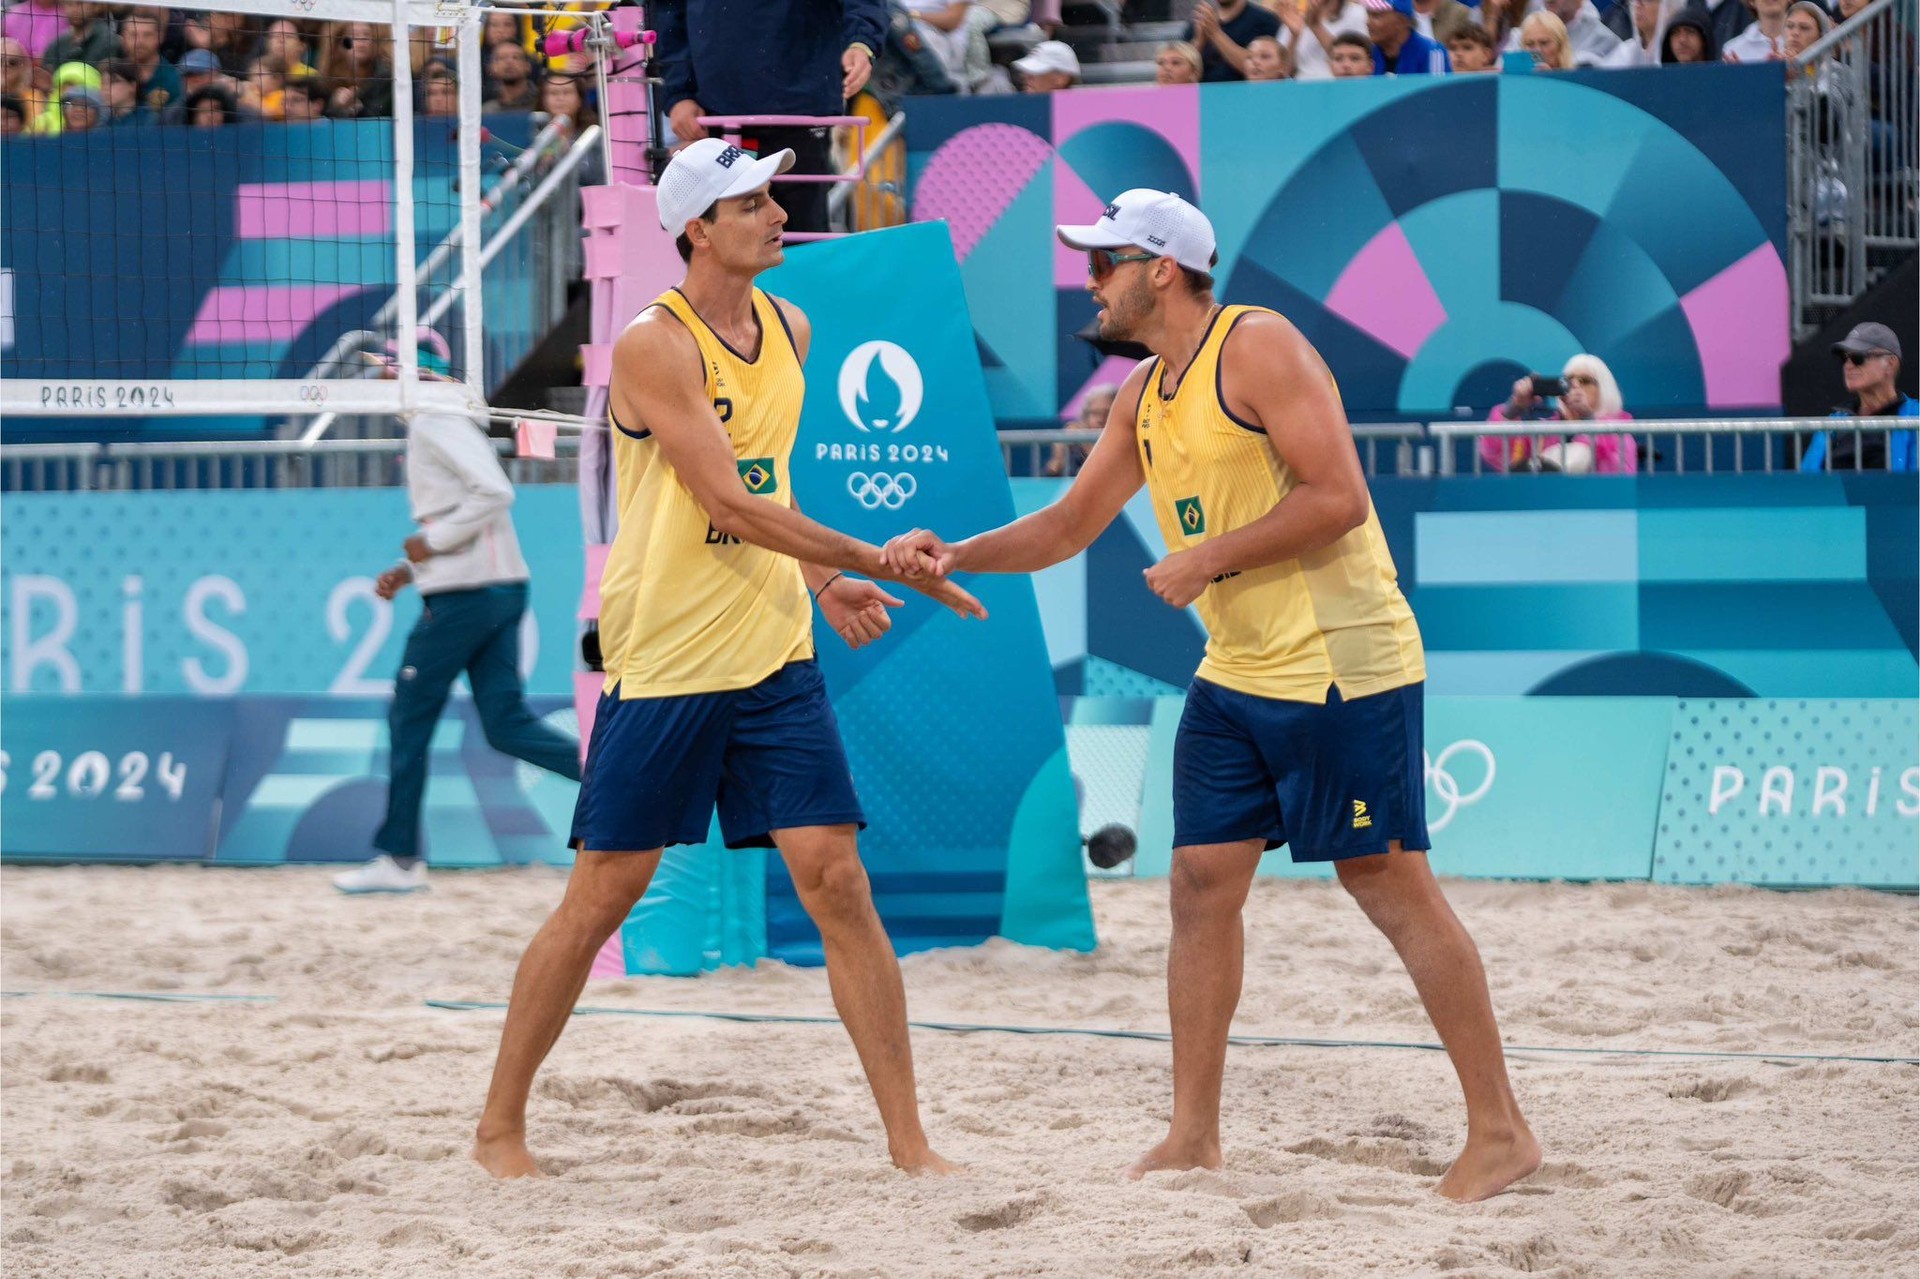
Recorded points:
(383, 875)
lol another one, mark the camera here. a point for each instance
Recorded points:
(1545, 387)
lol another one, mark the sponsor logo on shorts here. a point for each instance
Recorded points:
(758, 475)
(1192, 516)
(1361, 819)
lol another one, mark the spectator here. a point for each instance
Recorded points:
(141, 33)
(1310, 31)
(13, 116)
(212, 107)
(1545, 37)
(16, 78)
(199, 69)
(88, 38)
(512, 73)
(956, 31)
(1870, 358)
(1642, 48)
(1221, 32)
(1592, 39)
(805, 57)
(1351, 56)
(439, 90)
(283, 41)
(563, 98)
(225, 35)
(52, 118)
(1177, 62)
(1501, 18)
(121, 81)
(1592, 396)
(1806, 24)
(503, 28)
(258, 91)
(35, 25)
(1472, 51)
(80, 108)
(359, 63)
(906, 66)
(1065, 459)
(1397, 48)
(1689, 38)
(1439, 20)
(1727, 19)
(1268, 59)
(1765, 40)
(304, 100)
(1049, 67)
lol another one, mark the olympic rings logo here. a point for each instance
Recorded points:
(1447, 787)
(880, 489)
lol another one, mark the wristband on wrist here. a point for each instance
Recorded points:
(824, 585)
(860, 45)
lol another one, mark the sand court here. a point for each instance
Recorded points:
(321, 1130)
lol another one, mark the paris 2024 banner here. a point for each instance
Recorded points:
(1436, 238)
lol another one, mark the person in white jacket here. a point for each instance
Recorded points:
(466, 563)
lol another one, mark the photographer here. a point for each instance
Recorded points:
(1586, 392)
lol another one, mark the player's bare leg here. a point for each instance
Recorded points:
(1398, 892)
(865, 979)
(1204, 961)
(600, 892)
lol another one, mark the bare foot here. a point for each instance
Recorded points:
(1176, 1156)
(924, 1162)
(1489, 1165)
(505, 1157)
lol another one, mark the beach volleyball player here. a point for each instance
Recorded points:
(706, 627)
(1303, 724)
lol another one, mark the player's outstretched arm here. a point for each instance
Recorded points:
(662, 389)
(1061, 531)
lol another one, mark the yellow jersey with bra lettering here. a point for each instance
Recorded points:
(685, 608)
(1332, 618)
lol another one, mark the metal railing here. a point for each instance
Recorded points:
(1729, 445)
(1853, 173)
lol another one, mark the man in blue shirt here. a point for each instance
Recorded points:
(768, 57)
(1397, 48)
(1222, 31)
(1870, 358)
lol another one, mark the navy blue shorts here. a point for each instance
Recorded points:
(769, 756)
(1331, 782)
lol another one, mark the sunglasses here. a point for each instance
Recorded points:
(1857, 358)
(1101, 262)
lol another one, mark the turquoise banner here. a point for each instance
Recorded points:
(1792, 793)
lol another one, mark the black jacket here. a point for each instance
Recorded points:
(763, 57)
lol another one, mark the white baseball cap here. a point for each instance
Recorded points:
(709, 170)
(1157, 221)
(1049, 55)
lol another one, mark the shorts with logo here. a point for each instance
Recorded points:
(1331, 782)
(768, 756)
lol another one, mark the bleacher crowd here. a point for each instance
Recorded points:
(75, 65)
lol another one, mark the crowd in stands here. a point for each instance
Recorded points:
(76, 65)
(1330, 39)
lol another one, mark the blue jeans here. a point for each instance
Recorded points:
(476, 631)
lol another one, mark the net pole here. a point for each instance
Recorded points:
(406, 277)
(470, 72)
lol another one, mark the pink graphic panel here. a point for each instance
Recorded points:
(1171, 111)
(612, 959)
(1739, 321)
(313, 210)
(262, 313)
(1383, 291)
(974, 177)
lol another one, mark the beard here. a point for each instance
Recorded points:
(1125, 311)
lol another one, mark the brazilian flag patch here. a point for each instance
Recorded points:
(758, 475)
(1192, 516)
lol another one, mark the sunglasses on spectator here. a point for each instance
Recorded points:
(1101, 262)
(1857, 358)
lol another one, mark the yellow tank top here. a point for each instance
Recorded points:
(1334, 618)
(684, 608)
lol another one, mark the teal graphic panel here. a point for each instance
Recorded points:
(1791, 793)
